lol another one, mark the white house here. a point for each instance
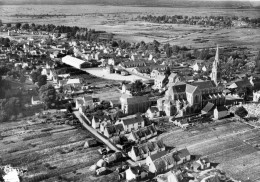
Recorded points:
(132, 122)
(36, 100)
(135, 173)
(152, 112)
(158, 82)
(220, 112)
(256, 96)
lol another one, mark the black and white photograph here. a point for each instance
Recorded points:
(129, 90)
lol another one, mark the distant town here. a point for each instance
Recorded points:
(73, 97)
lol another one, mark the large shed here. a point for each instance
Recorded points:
(75, 62)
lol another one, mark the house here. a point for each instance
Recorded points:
(161, 161)
(152, 112)
(220, 112)
(115, 103)
(95, 122)
(182, 156)
(143, 133)
(113, 130)
(142, 151)
(85, 101)
(36, 100)
(201, 164)
(132, 122)
(173, 78)
(135, 173)
(208, 109)
(158, 82)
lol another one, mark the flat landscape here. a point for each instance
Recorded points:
(120, 20)
(229, 144)
(49, 152)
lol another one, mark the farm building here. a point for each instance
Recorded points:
(75, 62)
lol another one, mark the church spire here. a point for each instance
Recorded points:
(214, 72)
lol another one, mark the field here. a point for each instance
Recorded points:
(49, 152)
(120, 20)
(227, 143)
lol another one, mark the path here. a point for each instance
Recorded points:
(94, 132)
(98, 135)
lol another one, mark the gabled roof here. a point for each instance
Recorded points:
(183, 153)
(221, 108)
(179, 87)
(208, 107)
(204, 84)
(158, 155)
(190, 88)
(137, 118)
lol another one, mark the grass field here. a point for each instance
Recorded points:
(49, 152)
(227, 143)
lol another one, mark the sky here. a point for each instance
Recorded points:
(253, 2)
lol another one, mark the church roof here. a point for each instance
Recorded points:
(204, 84)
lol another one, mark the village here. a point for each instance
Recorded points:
(129, 98)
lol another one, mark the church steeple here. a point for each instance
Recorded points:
(214, 72)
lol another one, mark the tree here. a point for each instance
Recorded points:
(8, 24)
(114, 44)
(241, 112)
(42, 80)
(168, 51)
(25, 26)
(18, 25)
(137, 87)
(47, 95)
(35, 76)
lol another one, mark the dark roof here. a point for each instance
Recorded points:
(208, 107)
(204, 84)
(242, 83)
(221, 108)
(183, 153)
(154, 109)
(137, 118)
(179, 87)
(158, 155)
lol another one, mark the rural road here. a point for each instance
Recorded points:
(98, 135)
(94, 132)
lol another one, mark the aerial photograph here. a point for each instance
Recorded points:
(129, 90)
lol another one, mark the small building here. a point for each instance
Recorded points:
(132, 122)
(36, 100)
(152, 112)
(143, 133)
(161, 161)
(142, 151)
(113, 130)
(220, 112)
(135, 173)
(95, 122)
(115, 103)
(208, 109)
(201, 164)
(85, 101)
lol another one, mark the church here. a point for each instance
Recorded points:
(188, 98)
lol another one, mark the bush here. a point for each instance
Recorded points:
(241, 112)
